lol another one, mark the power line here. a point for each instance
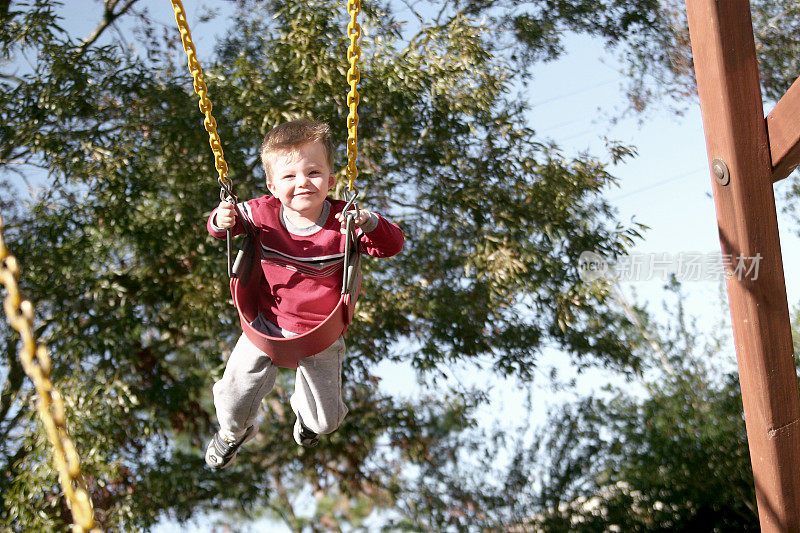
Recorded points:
(658, 184)
(567, 95)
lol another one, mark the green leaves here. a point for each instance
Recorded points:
(132, 293)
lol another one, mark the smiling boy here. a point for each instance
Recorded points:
(302, 253)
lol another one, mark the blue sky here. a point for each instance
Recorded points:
(667, 186)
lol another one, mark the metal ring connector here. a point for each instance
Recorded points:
(226, 191)
(351, 202)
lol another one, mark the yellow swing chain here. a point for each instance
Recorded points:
(353, 77)
(202, 91)
(36, 363)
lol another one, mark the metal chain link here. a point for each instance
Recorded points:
(36, 363)
(202, 91)
(353, 77)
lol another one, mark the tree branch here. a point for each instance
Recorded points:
(4, 5)
(10, 77)
(109, 16)
(287, 511)
(631, 312)
(13, 380)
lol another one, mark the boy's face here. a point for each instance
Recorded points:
(301, 179)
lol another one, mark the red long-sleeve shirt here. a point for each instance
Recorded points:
(303, 267)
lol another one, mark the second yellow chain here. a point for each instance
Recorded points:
(36, 364)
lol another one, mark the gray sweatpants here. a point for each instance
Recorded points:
(249, 375)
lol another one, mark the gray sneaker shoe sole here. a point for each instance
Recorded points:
(221, 453)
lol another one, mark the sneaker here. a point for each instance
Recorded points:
(221, 451)
(304, 436)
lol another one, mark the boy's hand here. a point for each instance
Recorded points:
(360, 220)
(226, 215)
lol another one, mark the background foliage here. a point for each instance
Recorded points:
(107, 180)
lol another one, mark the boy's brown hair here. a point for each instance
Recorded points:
(291, 135)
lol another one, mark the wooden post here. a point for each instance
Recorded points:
(783, 128)
(730, 99)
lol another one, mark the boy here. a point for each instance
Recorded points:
(302, 256)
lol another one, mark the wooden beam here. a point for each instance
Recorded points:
(730, 99)
(783, 128)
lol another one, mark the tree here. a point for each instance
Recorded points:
(495, 220)
(660, 68)
(674, 458)
(667, 453)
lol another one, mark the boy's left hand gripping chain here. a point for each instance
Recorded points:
(226, 195)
